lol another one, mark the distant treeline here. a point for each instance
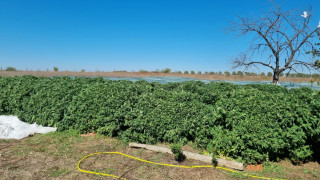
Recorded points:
(238, 73)
(227, 73)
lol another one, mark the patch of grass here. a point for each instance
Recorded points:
(313, 172)
(273, 168)
(118, 144)
(4, 141)
(21, 151)
(106, 170)
(63, 134)
(13, 167)
(41, 149)
(238, 175)
(102, 147)
(157, 157)
(57, 171)
(138, 152)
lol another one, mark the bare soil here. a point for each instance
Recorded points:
(47, 157)
(150, 74)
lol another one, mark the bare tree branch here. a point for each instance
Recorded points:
(242, 59)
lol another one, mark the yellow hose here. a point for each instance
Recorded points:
(161, 164)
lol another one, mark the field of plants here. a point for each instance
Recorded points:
(252, 123)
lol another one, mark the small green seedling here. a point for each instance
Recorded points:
(177, 152)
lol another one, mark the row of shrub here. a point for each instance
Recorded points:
(252, 123)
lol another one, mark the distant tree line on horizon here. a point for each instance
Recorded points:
(9, 69)
(226, 73)
(240, 73)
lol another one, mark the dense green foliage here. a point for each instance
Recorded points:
(252, 123)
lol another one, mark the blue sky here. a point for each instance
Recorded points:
(130, 35)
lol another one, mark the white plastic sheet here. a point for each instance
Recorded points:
(164, 80)
(12, 128)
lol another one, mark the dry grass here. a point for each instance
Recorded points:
(149, 74)
(55, 156)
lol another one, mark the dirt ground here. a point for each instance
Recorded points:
(150, 74)
(55, 156)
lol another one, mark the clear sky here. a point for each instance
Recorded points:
(130, 35)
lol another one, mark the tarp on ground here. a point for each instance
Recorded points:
(12, 128)
(180, 79)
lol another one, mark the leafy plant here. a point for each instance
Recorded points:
(177, 152)
(214, 159)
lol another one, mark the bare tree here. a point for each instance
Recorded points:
(281, 37)
(316, 50)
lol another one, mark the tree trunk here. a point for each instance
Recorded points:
(276, 76)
